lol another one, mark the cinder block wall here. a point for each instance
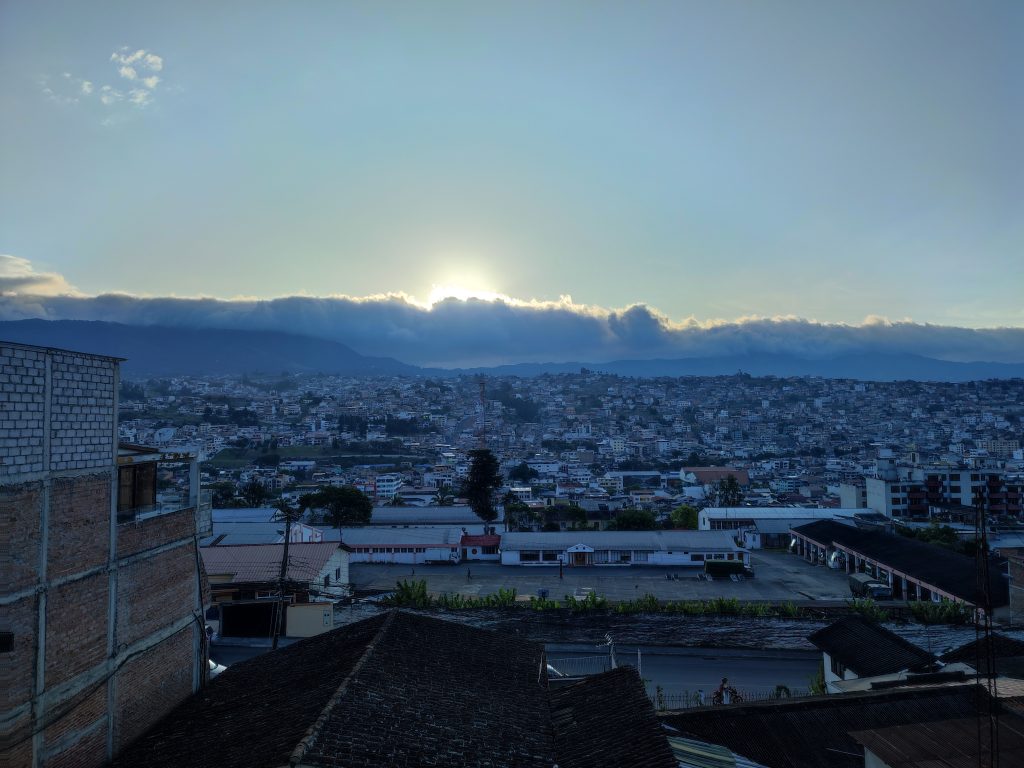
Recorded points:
(105, 620)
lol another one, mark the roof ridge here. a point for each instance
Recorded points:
(311, 734)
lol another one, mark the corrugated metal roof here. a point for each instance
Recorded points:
(699, 754)
(390, 537)
(262, 562)
(642, 540)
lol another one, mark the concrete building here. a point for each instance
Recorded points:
(581, 548)
(102, 591)
(741, 518)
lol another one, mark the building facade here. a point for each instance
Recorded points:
(102, 596)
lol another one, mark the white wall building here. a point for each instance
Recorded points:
(582, 548)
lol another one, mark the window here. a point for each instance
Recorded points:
(697, 557)
(550, 556)
(529, 556)
(838, 669)
(327, 580)
(730, 556)
(6, 642)
(136, 489)
(337, 573)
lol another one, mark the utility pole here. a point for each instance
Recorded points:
(288, 512)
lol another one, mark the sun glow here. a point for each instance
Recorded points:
(439, 293)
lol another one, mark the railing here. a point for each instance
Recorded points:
(582, 666)
(689, 699)
(165, 506)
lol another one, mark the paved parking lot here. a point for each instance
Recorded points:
(778, 577)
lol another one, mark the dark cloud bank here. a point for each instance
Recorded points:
(480, 333)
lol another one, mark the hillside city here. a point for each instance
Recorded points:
(581, 437)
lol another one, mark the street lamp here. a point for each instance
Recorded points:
(561, 562)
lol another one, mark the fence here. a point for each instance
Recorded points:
(581, 666)
(688, 699)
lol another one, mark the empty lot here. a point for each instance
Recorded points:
(778, 577)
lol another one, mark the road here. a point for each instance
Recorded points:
(678, 671)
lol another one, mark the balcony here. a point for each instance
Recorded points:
(152, 483)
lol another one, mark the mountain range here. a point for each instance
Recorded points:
(166, 351)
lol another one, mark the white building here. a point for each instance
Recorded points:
(740, 518)
(581, 548)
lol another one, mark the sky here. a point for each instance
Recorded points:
(713, 162)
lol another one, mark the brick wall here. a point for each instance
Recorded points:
(20, 510)
(70, 487)
(17, 669)
(153, 532)
(76, 628)
(79, 739)
(81, 411)
(153, 592)
(79, 536)
(161, 678)
(22, 388)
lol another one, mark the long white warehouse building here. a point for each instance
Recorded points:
(581, 548)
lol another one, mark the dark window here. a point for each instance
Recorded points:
(6, 642)
(837, 669)
(136, 489)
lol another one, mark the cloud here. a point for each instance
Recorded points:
(18, 278)
(455, 332)
(134, 66)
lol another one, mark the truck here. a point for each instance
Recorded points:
(866, 585)
(448, 555)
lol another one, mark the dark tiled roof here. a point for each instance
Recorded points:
(1008, 653)
(257, 711)
(868, 649)
(434, 692)
(398, 689)
(1002, 647)
(940, 567)
(607, 720)
(814, 732)
(945, 743)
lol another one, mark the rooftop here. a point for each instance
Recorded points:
(868, 649)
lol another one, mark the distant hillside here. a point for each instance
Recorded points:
(163, 351)
(866, 367)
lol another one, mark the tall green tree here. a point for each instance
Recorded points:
(633, 520)
(254, 493)
(685, 517)
(344, 505)
(484, 479)
(727, 492)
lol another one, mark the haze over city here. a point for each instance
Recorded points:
(695, 177)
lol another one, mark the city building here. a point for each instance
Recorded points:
(581, 548)
(103, 591)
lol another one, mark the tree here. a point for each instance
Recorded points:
(254, 493)
(523, 473)
(633, 520)
(484, 479)
(344, 505)
(726, 492)
(685, 517)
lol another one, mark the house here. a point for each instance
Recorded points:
(245, 582)
(403, 689)
(480, 547)
(855, 648)
(407, 545)
(815, 732)
(581, 548)
(101, 631)
(741, 518)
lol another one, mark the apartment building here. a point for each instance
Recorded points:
(101, 608)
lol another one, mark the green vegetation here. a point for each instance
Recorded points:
(345, 505)
(945, 612)
(867, 608)
(633, 520)
(685, 517)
